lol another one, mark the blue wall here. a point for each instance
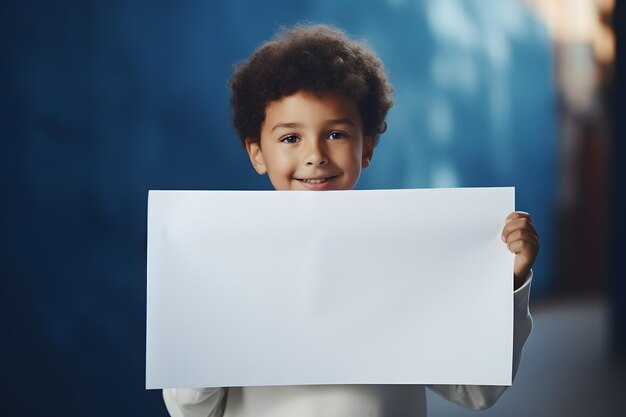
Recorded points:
(102, 101)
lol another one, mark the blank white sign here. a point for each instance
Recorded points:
(249, 288)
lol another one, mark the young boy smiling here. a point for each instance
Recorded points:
(309, 107)
(311, 142)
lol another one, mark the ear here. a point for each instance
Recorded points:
(256, 155)
(368, 150)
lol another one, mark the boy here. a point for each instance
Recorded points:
(309, 107)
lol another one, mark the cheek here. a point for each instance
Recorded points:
(280, 165)
(353, 158)
(352, 169)
(285, 162)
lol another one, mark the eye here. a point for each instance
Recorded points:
(337, 135)
(290, 139)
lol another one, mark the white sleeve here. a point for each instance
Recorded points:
(479, 397)
(195, 402)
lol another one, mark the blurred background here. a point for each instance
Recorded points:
(102, 101)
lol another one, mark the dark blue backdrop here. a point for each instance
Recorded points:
(102, 101)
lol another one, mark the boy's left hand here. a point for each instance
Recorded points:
(522, 239)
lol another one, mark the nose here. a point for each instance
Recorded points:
(315, 155)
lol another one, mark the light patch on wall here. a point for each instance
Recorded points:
(443, 175)
(497, 49)
(440, 121)
(449, 22)
(455, 69)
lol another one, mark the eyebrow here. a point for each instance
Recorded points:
(327, 122)
(285, 125)
(344, 121)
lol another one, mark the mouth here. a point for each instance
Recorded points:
(316, 183)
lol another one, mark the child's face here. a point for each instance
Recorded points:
(311, 143)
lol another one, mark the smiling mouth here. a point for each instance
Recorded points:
(316, 180)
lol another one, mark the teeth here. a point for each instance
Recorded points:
(314, 180)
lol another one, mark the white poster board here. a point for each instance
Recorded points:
(249, 288)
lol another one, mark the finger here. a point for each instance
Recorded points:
(517, 215)
(521, 234)
(526, 247)
(518, 224)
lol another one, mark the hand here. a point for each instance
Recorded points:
(522, 239)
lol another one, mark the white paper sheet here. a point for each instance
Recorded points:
(340, 287)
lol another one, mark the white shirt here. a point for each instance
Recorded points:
(344, 400)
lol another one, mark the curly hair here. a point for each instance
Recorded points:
(316, 59)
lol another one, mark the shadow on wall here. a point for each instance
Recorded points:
(108, 100)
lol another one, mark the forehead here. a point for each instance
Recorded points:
(308, 108)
